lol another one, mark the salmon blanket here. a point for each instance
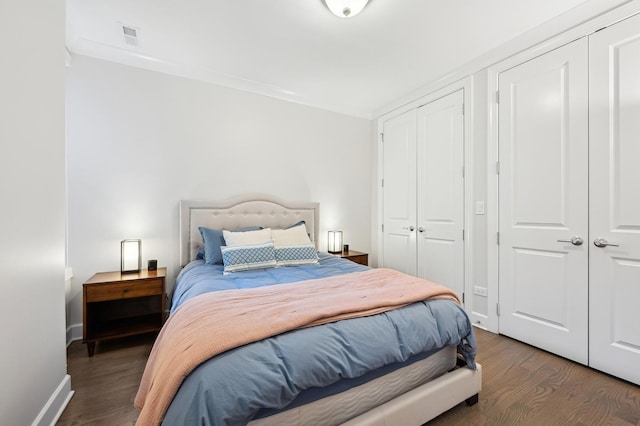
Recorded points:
(212, 323)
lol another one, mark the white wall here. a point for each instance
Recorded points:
(139, 141)
(32, 189)
(479, 304)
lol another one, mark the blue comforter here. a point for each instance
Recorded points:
(238, 385)
(199, 278)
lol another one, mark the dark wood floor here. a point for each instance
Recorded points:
(106, 384)
(521, 386)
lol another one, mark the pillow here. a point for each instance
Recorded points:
(200, 254)
(296, 255)
(244, 258)
(294, 236)
(213, 240)
(302, 222)
(248, 238)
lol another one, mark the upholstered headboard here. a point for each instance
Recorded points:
(248, 210)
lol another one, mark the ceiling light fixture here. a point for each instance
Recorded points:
(345, 8)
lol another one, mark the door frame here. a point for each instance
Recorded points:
(466, 85)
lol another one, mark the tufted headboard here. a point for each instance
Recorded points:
(248, 210)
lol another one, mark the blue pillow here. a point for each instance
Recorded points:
(244, 258)
(302, 222)
(213, 240)
(200, 254)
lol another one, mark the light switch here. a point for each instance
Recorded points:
(480, 291)
(479, 207)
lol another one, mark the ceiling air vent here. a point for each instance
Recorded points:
(130, 35)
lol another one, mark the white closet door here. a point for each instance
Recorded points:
(614, 119)
(399, 194)
(440, 195)
(543, 152)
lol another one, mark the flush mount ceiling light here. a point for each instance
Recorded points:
(345, 8)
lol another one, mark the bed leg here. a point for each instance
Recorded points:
(472, 401)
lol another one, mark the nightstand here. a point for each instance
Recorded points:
(355, 256)
(118, 305)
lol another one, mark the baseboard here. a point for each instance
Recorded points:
(56, 404)
(74, 332)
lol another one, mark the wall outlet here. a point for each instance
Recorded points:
(480, 291)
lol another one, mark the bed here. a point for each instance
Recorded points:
(331, 366)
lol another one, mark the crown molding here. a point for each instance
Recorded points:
(130, 57)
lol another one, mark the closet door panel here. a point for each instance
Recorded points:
(614, 197)
(440, 196)
(399, 197)
(543, 151)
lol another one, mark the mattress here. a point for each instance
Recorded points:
(339, 408)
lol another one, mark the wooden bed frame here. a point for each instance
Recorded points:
(415, 407)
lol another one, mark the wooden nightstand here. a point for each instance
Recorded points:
(355, 256)
(118, 305)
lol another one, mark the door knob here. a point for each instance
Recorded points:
(421, 229)
(576, 241)
(410, 228)
(601, 242)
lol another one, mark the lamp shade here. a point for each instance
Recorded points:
(334, 244)
(345, 8)
(130, 256)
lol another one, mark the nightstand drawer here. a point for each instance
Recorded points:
(362, 259)
(355, 256)
(126, 290)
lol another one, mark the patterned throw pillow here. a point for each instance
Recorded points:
(296, 255)
(244, 258)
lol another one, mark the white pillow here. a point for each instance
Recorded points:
(247, 238)
(295, 236)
